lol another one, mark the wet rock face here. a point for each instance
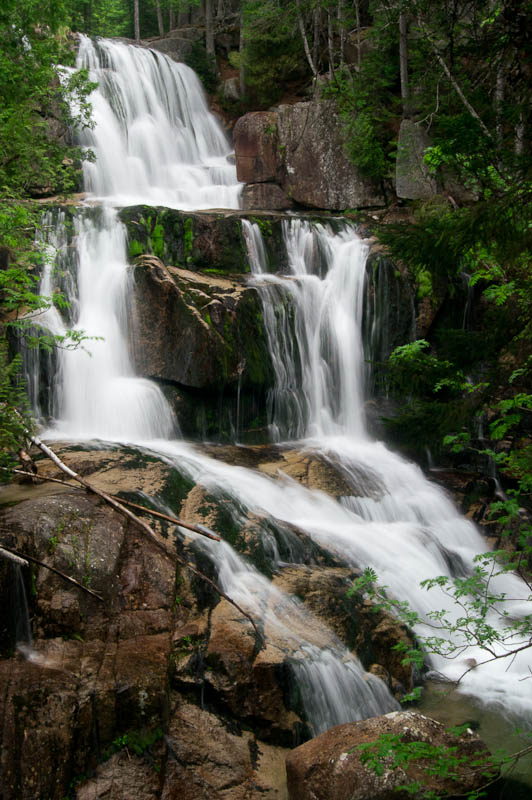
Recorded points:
(103, 702)
(299, 147)
(330, 765)
(197, 330)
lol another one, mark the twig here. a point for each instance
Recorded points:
(202, 530)
(26, 557)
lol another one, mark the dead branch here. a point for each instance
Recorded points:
(34, 560)
(201, 529)
(147, 530)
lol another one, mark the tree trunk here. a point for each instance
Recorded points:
(136, 20)
(330, 43)
(359, 44)
(316, 36)
(209, 28)
(341, 26)
(520, 135)
(403, 64)
(160, 23)
(303, 33)
(499, 100)
(241, 46)
(171, 18)
(220, 11)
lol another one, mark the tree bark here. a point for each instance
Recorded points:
(241, 47)
(303, 33)
(330, 43)
(403, 65)
(341, 26)
(136, 20)
(160, 23)
(209, 28)
(359, 44)
(316, 36)
(171, 18)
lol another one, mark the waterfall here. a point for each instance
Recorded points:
(155, 142)
(317, 353)
(154, 139)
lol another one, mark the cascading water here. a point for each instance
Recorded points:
(155, 142)
(393, 520)
(154, 139)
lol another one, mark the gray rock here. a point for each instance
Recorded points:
(300, 147)
(230, 89)
(412, 177)
(317, 172)
(265, 196)
(176, 48)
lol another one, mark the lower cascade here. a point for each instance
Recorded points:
(156, 143)
(394, 520)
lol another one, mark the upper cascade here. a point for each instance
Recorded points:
(154, 139)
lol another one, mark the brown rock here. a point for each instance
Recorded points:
(197, 330)
(257, 156)
(329, 766)
(208, 760)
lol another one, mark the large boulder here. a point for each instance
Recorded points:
(178, 49)
(197, 330)
(330, 765)
(300, 147)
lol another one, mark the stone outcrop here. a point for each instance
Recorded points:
(197, 330)
(413, 180)
(111, 691)
(330, 765)
(299, 147)
(256, 196)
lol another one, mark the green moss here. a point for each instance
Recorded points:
(176, 489)
(188, 239)
(157, 239)
(135, 248)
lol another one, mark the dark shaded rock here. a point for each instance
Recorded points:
(197, 330)
(210, 760)
(329, 766)
(193, 240)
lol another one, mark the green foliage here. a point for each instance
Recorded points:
(40, 102)
(204, 65)
(273, 53)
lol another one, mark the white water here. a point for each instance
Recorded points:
(154, 138)
(394, 520)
